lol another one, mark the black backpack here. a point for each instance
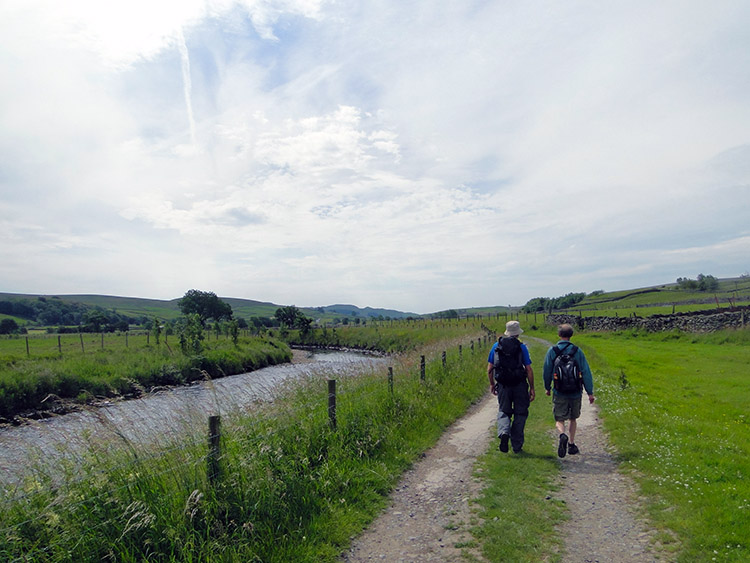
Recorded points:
(508, 360)
(566, 374)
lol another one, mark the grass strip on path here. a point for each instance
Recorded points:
(518, 512)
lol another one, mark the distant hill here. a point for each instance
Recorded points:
(367, 312)
(136, 307)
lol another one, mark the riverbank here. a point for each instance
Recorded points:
(37, 388)
(288, 485)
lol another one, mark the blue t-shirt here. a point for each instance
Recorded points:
(524, 349)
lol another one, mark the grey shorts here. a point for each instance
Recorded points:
(566, 408)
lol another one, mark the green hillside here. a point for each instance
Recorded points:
(666, 298)
(137, 308)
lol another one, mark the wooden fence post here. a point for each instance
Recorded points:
(332, 403)
(102, 340)
(460, 351)
(214, 447)
(59, 344)
(82, 349)
(472, 346)
(444, 358)
(28, 353)
(390, 380)
(421, 368)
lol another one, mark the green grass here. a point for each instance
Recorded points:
(676, 408)
(290, 487)
(518, 513)
(112, 371)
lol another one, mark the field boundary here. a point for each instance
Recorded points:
(698, 321)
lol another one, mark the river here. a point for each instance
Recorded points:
(158, 417)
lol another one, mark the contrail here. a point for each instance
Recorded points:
(186, 82)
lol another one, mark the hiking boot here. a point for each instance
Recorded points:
(517, 451)
(504, 442)
(572, 449)
(562, 447)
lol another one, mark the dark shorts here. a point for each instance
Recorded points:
(566, 408)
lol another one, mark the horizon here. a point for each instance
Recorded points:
(341, 303)
(398, 154)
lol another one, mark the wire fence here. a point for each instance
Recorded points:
(194, 463)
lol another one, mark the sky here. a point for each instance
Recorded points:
(410, 155)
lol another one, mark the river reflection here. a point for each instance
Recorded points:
(158, 417)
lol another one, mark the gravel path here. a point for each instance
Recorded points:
(604, 526)
(428, 513)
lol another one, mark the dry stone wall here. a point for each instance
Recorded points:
(702, 321)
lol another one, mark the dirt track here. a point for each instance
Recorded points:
(428, 513)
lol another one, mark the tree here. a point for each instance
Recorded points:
(707, 282)
(234, 330)
(8, 326)
(288, 315)
(302, 323)
(291, 317)
(191, 335)
(703, 283)
(206, 305)
(156, 329)
(95, 321)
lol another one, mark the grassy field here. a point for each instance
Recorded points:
(676, 408)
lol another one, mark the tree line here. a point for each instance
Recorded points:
(702, 283)
(541, 304)
(50, 311)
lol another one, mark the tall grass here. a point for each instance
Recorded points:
(290, 487)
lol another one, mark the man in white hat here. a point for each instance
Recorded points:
(512, 380)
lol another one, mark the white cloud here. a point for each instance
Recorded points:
(389, 155)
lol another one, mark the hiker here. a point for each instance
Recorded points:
(512, 380)
(565, 364)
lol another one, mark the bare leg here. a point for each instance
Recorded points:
(572, 435)
(560, 424)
